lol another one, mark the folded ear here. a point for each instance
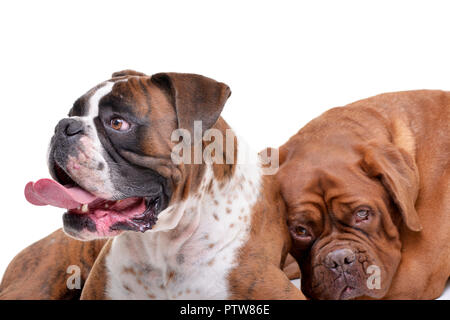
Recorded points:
(398, 173)
(194, 97)
(127, 72)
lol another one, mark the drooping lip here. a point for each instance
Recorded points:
(349, 292)
(134, 214)
(346, 291)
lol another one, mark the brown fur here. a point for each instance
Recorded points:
(97, 278)
(170, 101)
(402, 143)
(39, 271)
(259, 274)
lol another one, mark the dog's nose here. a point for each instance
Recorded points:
(69, 127)
(340, 257)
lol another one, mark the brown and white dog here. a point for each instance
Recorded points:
(174, 231)
(367, 188)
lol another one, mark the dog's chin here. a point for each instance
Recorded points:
(349, 287)
(345, 292)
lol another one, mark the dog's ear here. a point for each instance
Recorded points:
(397, 171)
(194, 97)
(127, 72)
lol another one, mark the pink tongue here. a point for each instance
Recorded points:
(47, 191)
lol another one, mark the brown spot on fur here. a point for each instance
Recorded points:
(127, 288)
(215, 216)
(211, 262)
(232, 225)
(129, 270)
(228, 210)
(151, 296)
(211, 245)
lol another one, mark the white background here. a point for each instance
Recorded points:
(285, 61)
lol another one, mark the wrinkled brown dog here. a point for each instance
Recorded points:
(368, 193)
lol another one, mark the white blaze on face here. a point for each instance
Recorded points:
(96, 97)
(84, 167)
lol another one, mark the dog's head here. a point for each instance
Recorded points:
(346, 204)
(111, 157)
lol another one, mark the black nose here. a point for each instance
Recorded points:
(69, 127)
(340, 258)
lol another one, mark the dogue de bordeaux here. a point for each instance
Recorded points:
(367, 189)
(156, 228)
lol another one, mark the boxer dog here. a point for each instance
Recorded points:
(368, 198)
(157, 229)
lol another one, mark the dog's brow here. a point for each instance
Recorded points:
(305, 206)
(116, 107)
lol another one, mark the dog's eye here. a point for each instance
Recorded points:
(362, 214)
(302, 236)
(301, 232)
(119, 124)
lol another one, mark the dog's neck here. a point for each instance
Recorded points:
(215, 184)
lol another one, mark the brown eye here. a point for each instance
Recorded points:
(362, 214)
(119, 124)
(300, 231)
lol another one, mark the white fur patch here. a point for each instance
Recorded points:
(97, 96)
(194, 245)
(92, 149)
